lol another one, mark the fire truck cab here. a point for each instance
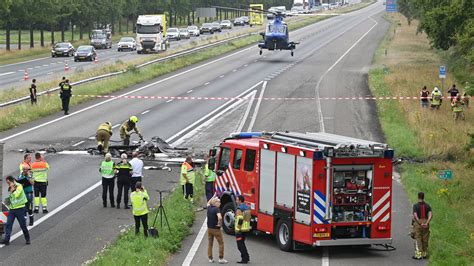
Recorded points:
(315, 189)
(3, 217)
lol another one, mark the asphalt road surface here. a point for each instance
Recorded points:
(48, 68)
(332, 60)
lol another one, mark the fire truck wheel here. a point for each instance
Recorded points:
(284, 236)
(228, 218)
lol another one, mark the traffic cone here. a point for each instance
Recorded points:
(66, 66)
(96, 60)
(25, 76)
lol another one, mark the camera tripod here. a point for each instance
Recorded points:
(161, 211)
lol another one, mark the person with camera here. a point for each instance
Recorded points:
(16, 201)
(140, 211)
(187, 178)
(26, 180)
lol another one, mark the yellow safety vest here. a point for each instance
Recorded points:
(457, 106)
(40, 171)
(209, 174)
(139, 202)
(242, 221)
(436, 98)
(18, 198)
(187, 169)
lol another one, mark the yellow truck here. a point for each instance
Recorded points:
(256, 18)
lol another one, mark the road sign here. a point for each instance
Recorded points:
(442, 72)
(391, 6)
(445, 174)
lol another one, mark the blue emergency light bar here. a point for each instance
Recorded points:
(246, 135)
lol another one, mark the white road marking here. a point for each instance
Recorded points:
(124, 94)
(116, 126)
(196, 243)
(318, 99)
(6, 73)
(207, 83)
(145, 112)
(79, 143)
(189, 91)
(19, 63)
(325, 261)
(255, 111)
(247, 112)
(45, 65)
(221, 76)
(169, 101)
(50, 73)
(235, 70)
(246, 65)
(37, 66)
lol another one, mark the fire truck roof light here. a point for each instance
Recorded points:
(246, 135)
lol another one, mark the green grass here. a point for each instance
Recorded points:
(433, 136)
(138, 250)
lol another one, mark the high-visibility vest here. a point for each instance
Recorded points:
(18, 198)
(139, 202)
(210, 174)
(105, 127)
(40, 171)
(107, 169)
(23, 164)
(242, 221)
(457, 106)
(436, 98)
(187, 169)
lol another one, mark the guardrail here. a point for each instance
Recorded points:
(108, 75)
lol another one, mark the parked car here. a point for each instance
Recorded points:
(184, 33)
(226, 24)
(62, 49)
(239, 22)
(127, 43)
(193, 31)
(85, 52)
(173, 34)
(217, 26)
(207, 27)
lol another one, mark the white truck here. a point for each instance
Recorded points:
(151, 33)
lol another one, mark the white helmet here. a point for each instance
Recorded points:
(436, 89)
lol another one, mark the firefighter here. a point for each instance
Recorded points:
(186, 179)
(66, 93)
(210, 175)
(465, 99)
(457, 108)
(422, 215)
(436, 98)
(126, 130)
(242, 227)
(104, 132)
(39, 169)
(17, 211)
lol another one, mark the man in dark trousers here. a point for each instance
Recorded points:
(123, 171)
(33, 96)
(242, 227)
(60, 91)
(66, 93)
(421, 226)
(453, 92)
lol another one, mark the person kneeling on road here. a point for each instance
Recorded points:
(139, 199)
(126, 130)
(17, 201)
(103, 134)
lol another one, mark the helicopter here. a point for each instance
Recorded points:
(276, 35)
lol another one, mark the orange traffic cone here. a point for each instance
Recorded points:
(25, 76)
(96, 59)
(66, 66)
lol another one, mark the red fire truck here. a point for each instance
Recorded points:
(3, 217)
(314, 189)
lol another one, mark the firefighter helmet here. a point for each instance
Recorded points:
(133, 119)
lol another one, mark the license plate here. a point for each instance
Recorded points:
(321, 235)
(82, 57)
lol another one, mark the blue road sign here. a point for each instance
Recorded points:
(391, 6)
(442, 72)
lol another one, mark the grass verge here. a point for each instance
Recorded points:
(405, 62)
(138, 250)
(16, 115)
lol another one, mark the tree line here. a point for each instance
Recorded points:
(80, 16)
(448, 23)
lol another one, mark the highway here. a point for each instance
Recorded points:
(332, 61)
(49, 68)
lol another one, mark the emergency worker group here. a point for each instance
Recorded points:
(458, 101)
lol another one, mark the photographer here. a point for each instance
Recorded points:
(17, 201)
(139, 199)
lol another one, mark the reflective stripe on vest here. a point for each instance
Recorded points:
(18, 198)
(245, 227)
(107, 169)
(40, 171)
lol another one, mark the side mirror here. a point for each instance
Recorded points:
(212, 152)
(262, 34)
(220, 173)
